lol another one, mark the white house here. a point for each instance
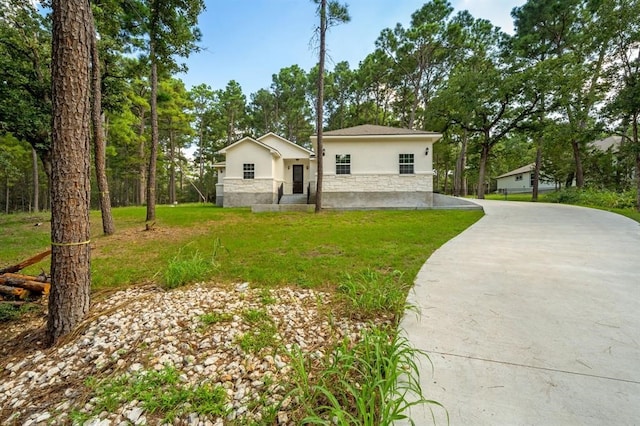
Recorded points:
(377, 167)
(363, 167)
(256, 170)
(521, 180)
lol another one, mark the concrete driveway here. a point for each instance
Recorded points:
(532, 317)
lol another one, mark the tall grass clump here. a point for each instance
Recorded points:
(184, 269)
(372, 383)
(370, 293)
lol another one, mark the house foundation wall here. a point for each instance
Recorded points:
(377, 200)
(377, 191)
(245, 199)
(246, 192)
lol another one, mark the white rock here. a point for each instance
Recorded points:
(96, 421)
(242, 287)
(43, 417)
(134, 414)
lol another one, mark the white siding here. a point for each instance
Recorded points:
(512, 184)
(378, 157)
(250, 153)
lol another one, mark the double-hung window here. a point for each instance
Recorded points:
(406, 164)
(343, 164)
(249, 170)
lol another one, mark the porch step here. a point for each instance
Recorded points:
(294, 199)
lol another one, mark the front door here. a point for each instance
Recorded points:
(298, 179)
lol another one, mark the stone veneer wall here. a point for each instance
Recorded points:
(246, 192)
(378, 191)
(377, 183)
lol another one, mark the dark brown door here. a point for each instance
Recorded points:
(298, 179)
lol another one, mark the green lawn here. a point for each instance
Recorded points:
(305, 249)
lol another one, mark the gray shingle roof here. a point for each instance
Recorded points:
(523, 169)
(370, 129)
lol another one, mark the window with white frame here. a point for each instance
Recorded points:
(249, 170)
(343, 164)
(406, 164)
(518, 177)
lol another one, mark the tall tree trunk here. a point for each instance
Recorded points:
(36, 181)
(636, 144)
(484, 159)
(536, 171)
(578, 162)
(99, 141)
(142, 172)
(172, 169)
(201, 148)
(70, 251)
(320, 106)
(151, 177)
(6, 195)
(461, 164)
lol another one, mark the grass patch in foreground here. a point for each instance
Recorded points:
(159, 392)
(372, 383)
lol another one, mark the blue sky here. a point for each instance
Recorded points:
(250, 40)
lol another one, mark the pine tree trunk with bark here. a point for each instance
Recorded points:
(320, 104)
(99, 143)
(70, 251)
(36, 181)
(153, 155)
(142, 171)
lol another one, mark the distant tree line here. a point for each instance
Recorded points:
(567, 76)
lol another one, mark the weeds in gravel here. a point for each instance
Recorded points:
(371, 383)
(266, 298)
(158, 392)
(370, 293)
(10, 312)
(262, 334)
(215, 318)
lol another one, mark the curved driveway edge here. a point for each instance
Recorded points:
(532, 317)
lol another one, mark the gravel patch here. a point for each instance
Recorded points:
(142, 329)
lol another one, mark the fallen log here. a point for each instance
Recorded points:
(39, 278)
(14, 291)
(35, 259)
(39, 287)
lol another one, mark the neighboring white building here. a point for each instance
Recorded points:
(256, 169)
(364, 167)
(521, 180)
